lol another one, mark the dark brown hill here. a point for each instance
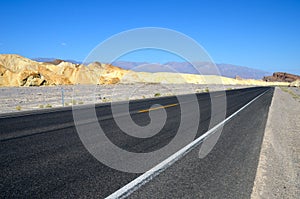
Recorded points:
(281, 77)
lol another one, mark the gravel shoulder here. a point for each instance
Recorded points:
(15, 99)
(278, 173)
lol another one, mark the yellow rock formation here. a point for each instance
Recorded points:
(16, 70)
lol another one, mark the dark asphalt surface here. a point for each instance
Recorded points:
(227, 172)
(42, 156)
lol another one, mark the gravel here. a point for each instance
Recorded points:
(14, 99)
(278, 173)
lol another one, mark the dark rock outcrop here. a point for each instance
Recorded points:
(281, 77)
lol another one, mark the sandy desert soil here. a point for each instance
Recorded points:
(14, 99)
(278, 173)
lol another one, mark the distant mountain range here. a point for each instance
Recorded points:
(16, 70)
(39, 59)
(226, 70)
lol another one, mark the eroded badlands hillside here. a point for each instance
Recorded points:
(16, 70)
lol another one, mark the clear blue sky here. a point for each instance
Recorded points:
(263, 34)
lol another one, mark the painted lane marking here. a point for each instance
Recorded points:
(156, 170)
(222, 95)
(156, 108)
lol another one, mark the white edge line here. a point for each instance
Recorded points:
(156, 170)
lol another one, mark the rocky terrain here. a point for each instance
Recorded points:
(282, 77)
(16, 70)
(57, 83)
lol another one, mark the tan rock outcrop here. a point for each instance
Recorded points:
(16, 70)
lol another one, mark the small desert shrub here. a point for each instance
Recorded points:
(41, 106)
(18, 107)
(281, 86)
(156, 94)
(81, 102)
(106, 99)
(66, 104)
(295, 96)
(284, 89)
(206, 90)
(74, 102)
(48, 106)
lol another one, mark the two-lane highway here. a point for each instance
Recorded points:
(42, 155)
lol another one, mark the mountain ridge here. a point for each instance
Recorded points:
(16, 70)
(226, 70)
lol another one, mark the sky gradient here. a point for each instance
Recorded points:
(261, 34)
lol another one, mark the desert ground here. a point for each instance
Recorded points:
(278, 173)
(26, 84)
(14, 99)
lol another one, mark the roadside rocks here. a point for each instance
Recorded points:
(295, 84)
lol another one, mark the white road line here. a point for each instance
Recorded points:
(156, 170)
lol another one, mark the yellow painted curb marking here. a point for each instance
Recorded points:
(160, 107)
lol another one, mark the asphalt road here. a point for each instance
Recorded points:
(42, 155)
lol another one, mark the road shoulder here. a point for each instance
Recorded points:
(278, 173)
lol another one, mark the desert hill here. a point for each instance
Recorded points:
(226, 70)
(16, 70)
(281, 77)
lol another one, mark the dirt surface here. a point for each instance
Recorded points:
(296, 90)
(278, 173)
(13, 99)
